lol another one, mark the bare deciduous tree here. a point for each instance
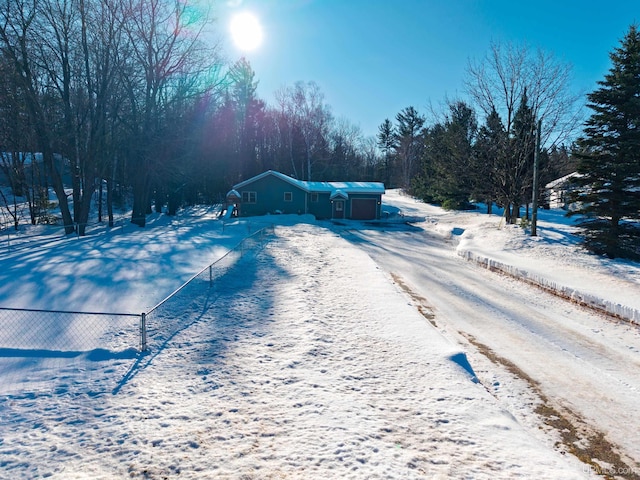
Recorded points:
(510, 79)
(165, 45)
(21, 30)
(307, 115)
(499, 81)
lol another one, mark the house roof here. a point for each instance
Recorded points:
(559, 182)
(338, 193)
(320, 187)
(233, 194)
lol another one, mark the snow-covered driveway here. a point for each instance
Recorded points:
(586, 365)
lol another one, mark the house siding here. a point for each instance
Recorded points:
(322, 208)
(270, 192)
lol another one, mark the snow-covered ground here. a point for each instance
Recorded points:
(125, 269)
(573, 363)
(305, 360)
(553, 258)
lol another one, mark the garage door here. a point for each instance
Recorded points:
(363, 208)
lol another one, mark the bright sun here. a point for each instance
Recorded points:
(246, 31)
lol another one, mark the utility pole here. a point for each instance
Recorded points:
(534, 200)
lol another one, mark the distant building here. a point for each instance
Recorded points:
(272, 192)
(558, 191)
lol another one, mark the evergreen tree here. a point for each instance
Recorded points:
(608, 193)
(446, 175)
(409, 142)
(488, 157)
(428, 183)
(386, 140)
(248, 108)
(453, 167)
(522, 151)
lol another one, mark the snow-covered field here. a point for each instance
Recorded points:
(305, 360)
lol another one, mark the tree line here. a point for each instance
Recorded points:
(456, 159)
(130, 101)
(525, 100)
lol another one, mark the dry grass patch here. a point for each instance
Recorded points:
(589, 446)
(421, 303)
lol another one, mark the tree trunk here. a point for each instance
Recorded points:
(100, 191)
(140, 198)
(110, 201)
(84, 209)
(159, 199)
(138, 215)
(174, 202)
(508, 213)
(58, 188)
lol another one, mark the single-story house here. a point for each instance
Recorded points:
(273, 192)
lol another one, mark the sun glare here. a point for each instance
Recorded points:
(246, 31)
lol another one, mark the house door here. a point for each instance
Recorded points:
(338, 209)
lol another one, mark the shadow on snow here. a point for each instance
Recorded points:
(212, 317)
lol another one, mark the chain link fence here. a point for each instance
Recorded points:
(44, 349)
(173, 313)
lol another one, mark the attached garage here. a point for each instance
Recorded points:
(364, 208)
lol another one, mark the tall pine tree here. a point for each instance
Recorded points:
(408, 143)
(522, 150)
(490, 151)
(386, 140)
(608, 193)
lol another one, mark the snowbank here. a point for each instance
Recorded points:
(585, 299)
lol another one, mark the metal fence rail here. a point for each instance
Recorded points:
(48, 344)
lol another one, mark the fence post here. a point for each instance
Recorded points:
(143, 332)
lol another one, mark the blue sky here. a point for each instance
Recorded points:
(372, 58)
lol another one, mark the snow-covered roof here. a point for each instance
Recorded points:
(320, 187)
(338, 193)
(233, 194)
(562, 180)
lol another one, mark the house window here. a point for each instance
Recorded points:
(314, 197)
(249, 197)
(288, 196)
